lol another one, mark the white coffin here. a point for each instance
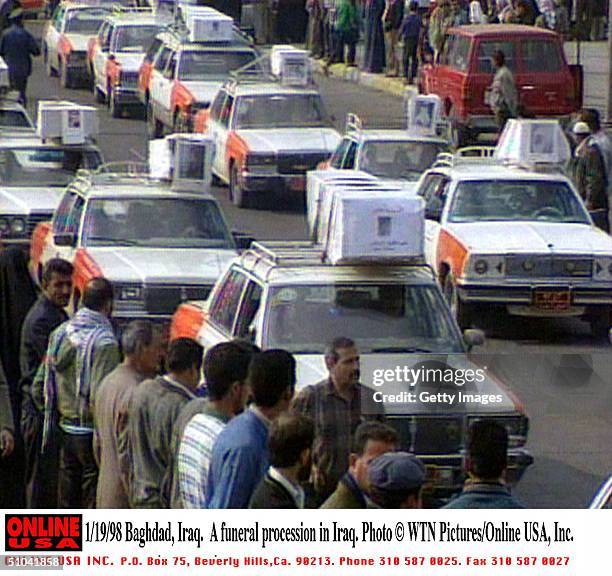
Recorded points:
(210, 27)
(316, 180)
(290, 64)
(70, 122)
(4, 76)
(367, 226)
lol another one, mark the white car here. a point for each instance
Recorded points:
(267, 136)
(159, 246)
(515, 238)
(66, 38)
(285, 295)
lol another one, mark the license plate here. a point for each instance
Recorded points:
(297, 183)
(552, 300)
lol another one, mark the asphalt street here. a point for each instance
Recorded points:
(568, 397)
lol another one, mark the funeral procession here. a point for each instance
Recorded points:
(305, 254)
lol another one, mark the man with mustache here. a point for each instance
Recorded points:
(337, 406)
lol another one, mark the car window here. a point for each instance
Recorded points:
(105, 36)
(14, 119)
(153, 50)
(434, 191)
(398, 160)
(541, 56)
(247, 318)
(520, 200)
(226, 111)
(292, 110)
(214, 64)
(351, 155)
(486, 48)
(162, 59)
(217, 105)
(68, 214)
(134, 38)
(338, 155)
(85, 21)
(456, 52)
(226, 302)
(171, 68)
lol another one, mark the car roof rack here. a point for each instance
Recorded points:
(467, 155)
(112, 172)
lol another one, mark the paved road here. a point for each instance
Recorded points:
(570, 407)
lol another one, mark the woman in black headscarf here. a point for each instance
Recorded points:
(17, 294)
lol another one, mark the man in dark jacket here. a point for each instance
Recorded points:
(290, 445)
(372, 439)
(486, 462)
(17, 46)
(153, 414)
(46, 315)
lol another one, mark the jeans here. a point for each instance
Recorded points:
(78, 473)
(19, 82)
(411, 61)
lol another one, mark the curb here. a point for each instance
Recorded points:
(353, 74)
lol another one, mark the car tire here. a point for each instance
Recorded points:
(238, 196)
(600, 324)
(45, 52)
(116, 111)
(460, 310)
(154, 128)
(65, 80)
(99, 95)
(49, 68)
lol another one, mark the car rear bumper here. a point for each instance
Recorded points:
(127, 96)
(286, 184)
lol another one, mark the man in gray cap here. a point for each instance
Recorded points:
(396, 479)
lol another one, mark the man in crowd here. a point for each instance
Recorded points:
(290, 445)
(396, 480)
(411, 32)
(599, 138)
(486, 462)
(503, 95)
(81, 352)
(240, 455)
(17, 46)
(141, 348)
(226, 368)
(44, 317)
(588, 172)
(155, 407)
(337, 406)
(371, 439)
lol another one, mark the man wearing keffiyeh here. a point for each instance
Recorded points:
(81, 352)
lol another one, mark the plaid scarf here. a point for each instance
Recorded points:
(85, 331)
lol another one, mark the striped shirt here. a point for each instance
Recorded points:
(194, 455)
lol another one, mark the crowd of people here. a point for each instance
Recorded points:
(89, 420)
(414, 28)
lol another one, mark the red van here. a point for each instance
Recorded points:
(547, 85)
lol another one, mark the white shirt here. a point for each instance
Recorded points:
(295, 491)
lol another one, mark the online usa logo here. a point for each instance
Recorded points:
(48, 532)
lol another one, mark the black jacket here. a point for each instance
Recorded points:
(17, 46)
(271, 494)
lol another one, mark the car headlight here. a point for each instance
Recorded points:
(18, 226)
(485, 266)
(261, 162)
(129, 292)
(481, 266)
(5, 227)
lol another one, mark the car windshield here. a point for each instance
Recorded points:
(379, 317)
(13, 119)
(213, 64)
(156, 223)
(520, 200)
(399, 160)
(85, 21)
(280, 111)
(135, 38)
(38, 166)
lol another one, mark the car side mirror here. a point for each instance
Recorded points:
(243, 241)
(111, 56)
(65, 239)
(473, 337)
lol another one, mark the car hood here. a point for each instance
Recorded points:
(202, 91)
(532, 237)
(161, 265)
(130, 61)
(25, 200)
(291, 139)
(79, 42)
(311, 369)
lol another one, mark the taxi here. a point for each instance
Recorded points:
(394, 156)
(151, 57)
(515, 238)
(267, 136)
(33, 175)
(158, 245)
(65, 40)
(287, 295)
(191, 77)
(114, 56)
